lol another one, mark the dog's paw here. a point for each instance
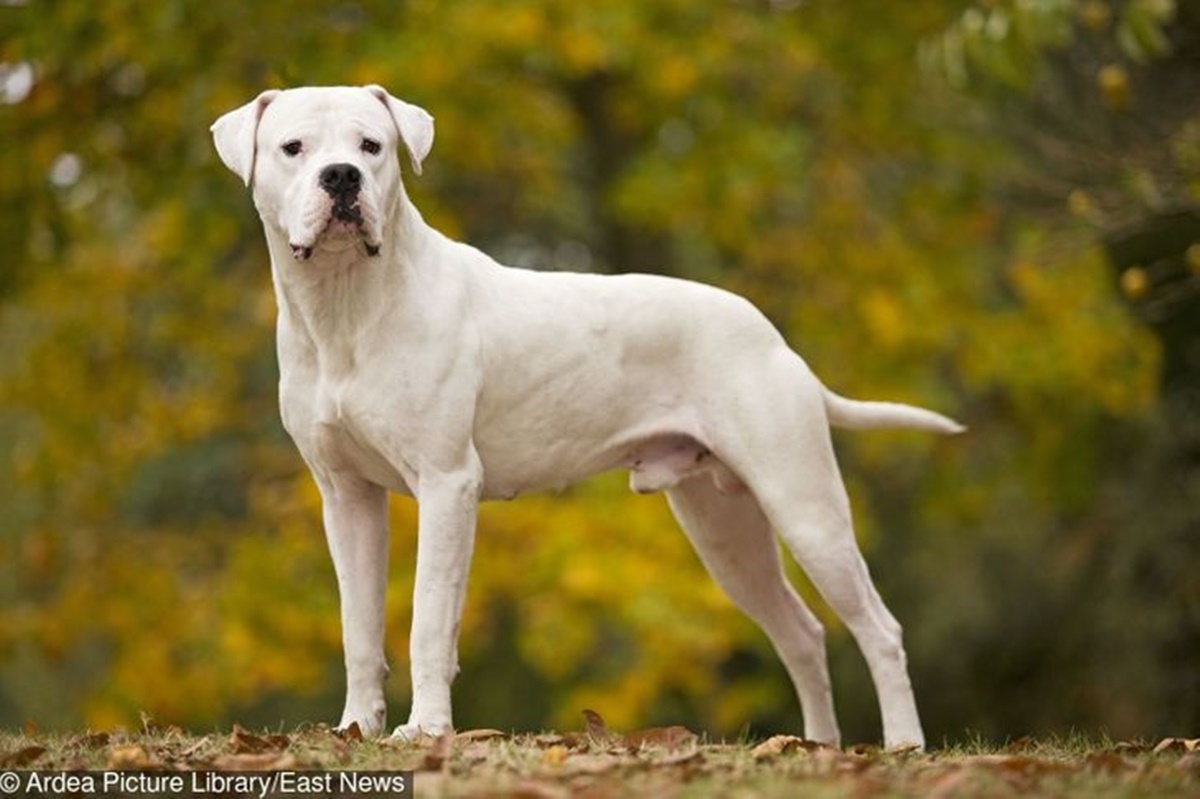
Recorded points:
(413, 731)
(370, 724)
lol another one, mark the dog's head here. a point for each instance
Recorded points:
(322, 161)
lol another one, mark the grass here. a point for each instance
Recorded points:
(665, 762)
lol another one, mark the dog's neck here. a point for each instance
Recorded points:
(326, 301)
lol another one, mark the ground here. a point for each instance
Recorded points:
(660, 762)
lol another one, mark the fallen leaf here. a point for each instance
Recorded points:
(242, 742)
(94, 740)
(130, 757)
(191, 751)
(782, 744)
(439, 753)
(22, 757)
(555, 755)
(864, 750)
(547, 739)
(596, 728)
(481, 735)
(1177, 745)
(904, 750)
(352, 733)
(665, 737)
(577, 740)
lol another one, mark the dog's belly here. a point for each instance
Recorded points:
(508, 472)
(565, 444)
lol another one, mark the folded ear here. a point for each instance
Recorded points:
(234, 134)
(414, 123)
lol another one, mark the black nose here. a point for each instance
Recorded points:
(341, 179)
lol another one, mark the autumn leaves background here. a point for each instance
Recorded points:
(956, 204)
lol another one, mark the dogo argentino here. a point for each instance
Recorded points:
(413, 363)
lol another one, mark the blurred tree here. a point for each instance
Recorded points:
(161, 550)
(1102, 102)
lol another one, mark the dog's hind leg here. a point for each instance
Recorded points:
(811, 511)
(775, 439)
(736, 545)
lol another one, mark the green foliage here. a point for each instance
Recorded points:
(160, 548)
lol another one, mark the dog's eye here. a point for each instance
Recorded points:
(292, 148)
(371, 147)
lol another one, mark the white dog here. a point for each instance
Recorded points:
(416, 364)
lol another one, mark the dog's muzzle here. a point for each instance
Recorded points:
(342, 182)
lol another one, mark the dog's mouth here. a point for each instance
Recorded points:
(347, 211)
(345, 225)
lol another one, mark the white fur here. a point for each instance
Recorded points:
(431, 370)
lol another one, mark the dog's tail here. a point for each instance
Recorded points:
(859, 415)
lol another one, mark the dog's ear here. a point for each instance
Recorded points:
(414, 123)
(235, 132)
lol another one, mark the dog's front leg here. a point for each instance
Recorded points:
(355, 514)
(447, 506)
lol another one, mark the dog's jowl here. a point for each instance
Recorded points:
(413, 363)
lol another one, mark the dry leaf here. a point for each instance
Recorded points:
(351, 733)
(22, 757)
(191, 751)
(596, 728)
(131, 757)
(481, 735)
(242, 742)
(94, 740)
(782, 744)
(439, 753)
(547, 739)
(576, 740)
(864, 750)
(1177, 745)
(555, 755)
(666, 737)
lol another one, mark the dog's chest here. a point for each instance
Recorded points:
(338, 429)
